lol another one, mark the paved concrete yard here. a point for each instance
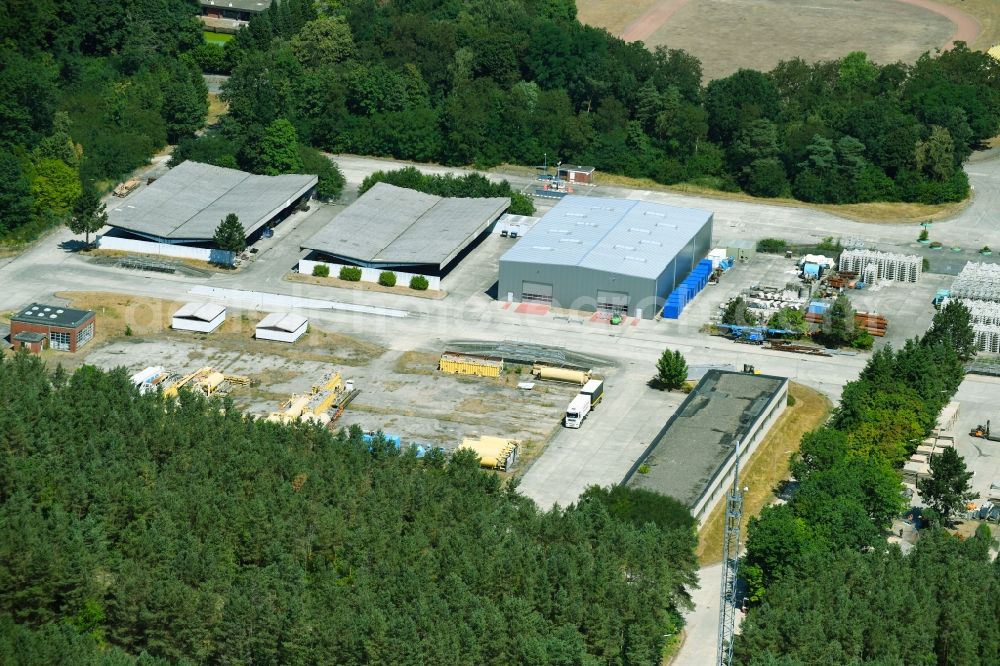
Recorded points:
(607, 444)
(980, 400)
(477, 273)
(907, 306)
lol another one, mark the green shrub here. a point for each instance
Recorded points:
(772, 245)
(321, 270)
(387, 279)
(924, 234)
(350, 273)
(863, 340)
(419, 282)
(829, 245)
(643, 468)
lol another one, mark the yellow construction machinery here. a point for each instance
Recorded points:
(207, 381)
(334, 394)
(173, 389)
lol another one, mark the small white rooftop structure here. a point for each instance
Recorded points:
(200, 317)
(282, 327)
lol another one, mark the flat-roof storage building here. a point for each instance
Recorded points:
(606, 255)
(186, 205)
(693, 457)
(65, 329)
(398, 229)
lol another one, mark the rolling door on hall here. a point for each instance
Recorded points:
(536, 292)
(612, 302)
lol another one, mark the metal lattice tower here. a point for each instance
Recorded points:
(730, 567)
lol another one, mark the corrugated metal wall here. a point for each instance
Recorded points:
(576, 288)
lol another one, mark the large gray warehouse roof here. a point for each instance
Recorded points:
(623, 236)
(392, 226)
(703, 433)
(189, 202)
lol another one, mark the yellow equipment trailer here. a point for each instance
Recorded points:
(465, 364)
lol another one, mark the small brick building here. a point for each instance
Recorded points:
(64, 329)
(575, 173)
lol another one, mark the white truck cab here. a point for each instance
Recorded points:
(577, 411)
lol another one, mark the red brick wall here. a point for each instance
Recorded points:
(20, 326)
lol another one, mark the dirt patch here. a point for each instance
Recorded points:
(965, 529)
(317, 345)
(767, 467)
(722, 33)
(986, 14)
(402, 290)
(417, 363)
(119, 315)
(967, 28)
(651, 20)
(216, 109)
(472, 405)
(615, 17)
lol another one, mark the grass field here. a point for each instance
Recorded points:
(219, 38)
(767, 467)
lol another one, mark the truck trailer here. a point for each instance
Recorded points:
(595, 390)
(577, 411)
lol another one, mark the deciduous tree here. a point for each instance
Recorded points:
(89, 214)
(278, 151)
